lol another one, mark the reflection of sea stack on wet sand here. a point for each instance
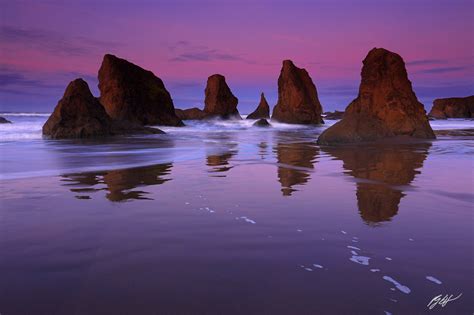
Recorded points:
(293, 159)
(381, 172)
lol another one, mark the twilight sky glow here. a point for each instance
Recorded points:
(46, 44)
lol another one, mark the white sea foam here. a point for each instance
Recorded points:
(433, 279)
(353, 247)
(361, 260)
(397, 284)
(388, 258)
(248, 220)
(318, 266)
(374, 270)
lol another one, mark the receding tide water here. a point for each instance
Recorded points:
(226, 218)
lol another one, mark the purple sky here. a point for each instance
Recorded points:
(45, 44)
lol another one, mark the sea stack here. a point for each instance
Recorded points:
(219, 101)
(453, 107)
(386, 106)
(298, 101)
(262, 110)
(262, 122)
(78, 115)
(130, 93)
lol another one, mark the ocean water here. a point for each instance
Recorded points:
(226, 218)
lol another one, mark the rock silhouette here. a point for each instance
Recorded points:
(219, 101)
(190, 114)
(298, 101)
(453, 107)
(381, 172)
(262, 110)
(3, 120)
(386, 106)
(295, 162)
(80, 115)
(261, 123)
(130, 93)
(121, 184)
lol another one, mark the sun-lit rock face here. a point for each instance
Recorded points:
(386, 106)
(298, 101)
(130, 93)
(453, 107)
(219, 101)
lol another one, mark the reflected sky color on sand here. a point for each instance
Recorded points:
(227, 218)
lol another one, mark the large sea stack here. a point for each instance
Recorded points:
(219, 101)
(262, 110)
(130, 93)
(453, 107)
(386, 106)
(298, 101)
(78, 115)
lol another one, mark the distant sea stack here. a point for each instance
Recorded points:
(262, 110)
(190, 113)
(333, 115)
(219, 101)
(130, 93)
(298, 101)
(453, 107)
(4, 121)
(386, 106)
(80, 115)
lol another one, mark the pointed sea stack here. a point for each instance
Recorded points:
(130, 93)
(386, 106)
(298, 101)
(453, 107)
(219, 101)
(262, 122)
(78, 115)
(262, 110)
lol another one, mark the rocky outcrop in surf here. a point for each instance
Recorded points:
(386, 106)
(80, 115)
(190, 113)
(262, 110)
(298, 101)
(131, 93)
(333, 115)
(453, 107)
(3, 120)
(261, 123)
(219, 101)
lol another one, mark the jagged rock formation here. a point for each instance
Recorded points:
(262, 110)
(130, 93)
(386, 106)
(80, 115)
(219, 101)
(190, 114)
(453, 107)
(298, 101)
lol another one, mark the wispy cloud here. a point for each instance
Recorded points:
(185, 51)
(444, 69)
(423, 62)
(52, 42)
